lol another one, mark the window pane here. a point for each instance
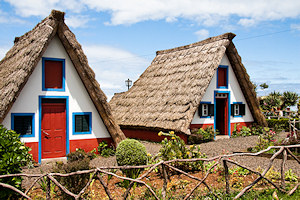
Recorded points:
(82, 123)
(204, 110)
(85, 123)
(23, 125)
(236, 109)
(78, 123)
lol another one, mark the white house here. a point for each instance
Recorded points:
(49, 93)
(192, 86)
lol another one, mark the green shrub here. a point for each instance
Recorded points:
(202, 135)
(77, 161)
(13, 155)
(175, 148)
(132, 153)
(104, 150)
(248, 131)
(264, 141)
(281, 124)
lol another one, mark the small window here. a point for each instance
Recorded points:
(206, 109)
(53, 74)
(238, 109)
(222, 77)
(23, 123)
(82, 123)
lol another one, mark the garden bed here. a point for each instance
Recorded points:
(178, 187)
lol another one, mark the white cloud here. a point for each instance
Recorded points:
(295, 27)
(76, 21)
(5, 18)
(3, 51)
(247, 22)
(42, 8)
(202, 34)
(205, 12)
(113, 66)
(208, 12)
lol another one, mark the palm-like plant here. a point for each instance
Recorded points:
(272, 101)
(289, 99)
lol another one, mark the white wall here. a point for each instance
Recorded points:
(79, 100)
(236, 95)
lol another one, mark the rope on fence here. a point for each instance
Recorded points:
(96, 173)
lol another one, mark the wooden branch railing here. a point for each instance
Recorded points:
(166, 165)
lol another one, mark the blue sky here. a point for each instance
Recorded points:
(120, 37)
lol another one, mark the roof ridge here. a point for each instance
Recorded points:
(228, 36)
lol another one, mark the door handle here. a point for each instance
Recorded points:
(45, 133)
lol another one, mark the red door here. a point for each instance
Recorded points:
(53, 130)
(222, 115)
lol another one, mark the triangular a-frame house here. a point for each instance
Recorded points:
(49, 94)
(192, 86)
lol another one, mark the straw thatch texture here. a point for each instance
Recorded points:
(20, 61)
(168, 93)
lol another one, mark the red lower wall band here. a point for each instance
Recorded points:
(34, 150)
(148, 135)
(86, 144)
(238, 124)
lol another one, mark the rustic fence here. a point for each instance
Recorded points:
(166, 166)
(293, 127)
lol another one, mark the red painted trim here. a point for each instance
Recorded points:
(34, 150)
(88, 144)
(148, 135)
(193, 126)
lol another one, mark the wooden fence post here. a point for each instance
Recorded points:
(165, 176)
(226, 176)
(284, 158)
(48, 192)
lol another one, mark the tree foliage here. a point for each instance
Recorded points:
(13, 155)
(264, 86)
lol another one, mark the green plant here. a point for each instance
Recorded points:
(13, 155)
(272, 175)
(43, 184)
(239, 171)
(202, 135)
(290, 176)
(104, 150)
(175, 148)
(248, 131)
(77, 160)
(217, 168)
(131, 152)
(264, 141)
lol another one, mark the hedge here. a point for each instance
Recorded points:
(282, 124)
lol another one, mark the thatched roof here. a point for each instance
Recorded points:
(168, 93)
(21, 60)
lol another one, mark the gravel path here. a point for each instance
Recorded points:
(218, 147)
